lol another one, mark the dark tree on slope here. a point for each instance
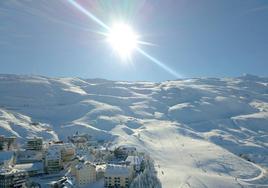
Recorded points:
(148, 178)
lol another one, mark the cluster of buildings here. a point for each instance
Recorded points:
(13, 172)
(35, 159)
(12, 178)
(78, 163)
(121, 172)
(117, 176)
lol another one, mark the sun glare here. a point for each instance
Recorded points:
(123, 39)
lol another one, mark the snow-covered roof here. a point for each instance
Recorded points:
(84, 164)
(117, 170)
(6, 171)
(30, 166)
(33, 138)
(55, 146)
(29, 155)
(60, 146)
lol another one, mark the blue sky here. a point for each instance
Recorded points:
(211, 38)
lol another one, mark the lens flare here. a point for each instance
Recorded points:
(159, 63)
(89, 14)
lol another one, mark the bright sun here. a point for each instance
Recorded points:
(123, 39)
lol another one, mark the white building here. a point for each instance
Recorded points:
(53, 161)
(85, 173)
(57, 155)
(118, 176)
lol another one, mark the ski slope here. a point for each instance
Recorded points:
(184, 161)
(201, 132)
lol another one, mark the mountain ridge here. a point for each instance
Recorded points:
(229, 115)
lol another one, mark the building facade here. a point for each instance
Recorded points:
(67, 152)
(118, 176)
(53, 161)
(34, 143)
(85, 173)
(12, 178)
(7, 143)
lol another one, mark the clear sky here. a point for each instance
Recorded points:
(211, 38)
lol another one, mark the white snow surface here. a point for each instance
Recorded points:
(196, 129)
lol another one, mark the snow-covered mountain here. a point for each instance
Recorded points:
(202, 132)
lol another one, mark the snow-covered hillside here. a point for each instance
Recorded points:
(202, 132)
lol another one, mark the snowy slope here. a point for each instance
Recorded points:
(199, 131)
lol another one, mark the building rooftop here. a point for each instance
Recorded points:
(83, 164)
(29, 155)
(117, 170)
(61, 145)
(30, 166)
(9, 171)
(33, 138)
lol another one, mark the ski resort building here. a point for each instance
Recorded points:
(122, 152)
(129, 150)
(85, 173)
(67, 152)
(12, 178)
(34, 143)
(80, 140)
(53, 160)
(7, 143)
(118, 176)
